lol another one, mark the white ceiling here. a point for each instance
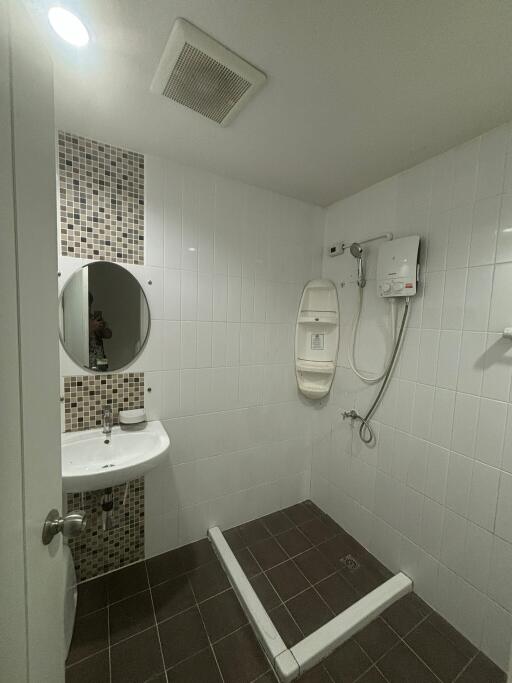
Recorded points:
(357, 89)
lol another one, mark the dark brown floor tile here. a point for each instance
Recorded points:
(339, 547)
(222, 615)
(314, 565)
(376, 639)
(127, 581)
(337, 593)
(89, 636)
(247, 562)
(313, 507)
(267, 677)
(309, 611)
(347, 662)
(318, 530)
(277, 522)
(286, 626)
(401, 665)
(372, 676)
(294, 542)
(450, 633)
(128, 666)
(95, 668)
(482, 670)
(300, 513)
(234, 539)
(182, 636)
(265, 592)
(406, 613)
(92, 595)
(367, 575)
(130, 616)
(268, 553)
(208, 580)
(196, 554)
(164, 567)
(438, 653)
(201, 668)
(316, 675)
(240, 657)
(287, 580)
(172, 597)
(252, 532)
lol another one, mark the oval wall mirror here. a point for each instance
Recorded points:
(104, 317)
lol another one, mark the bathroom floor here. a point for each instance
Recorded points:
(175, 618)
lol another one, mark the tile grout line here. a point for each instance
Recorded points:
(109, 646)
(156, 623)
(210, 644)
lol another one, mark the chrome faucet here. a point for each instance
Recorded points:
(107, 420)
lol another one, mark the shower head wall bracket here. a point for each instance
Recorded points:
(339, 248)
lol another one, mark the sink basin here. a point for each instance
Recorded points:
(90, 461)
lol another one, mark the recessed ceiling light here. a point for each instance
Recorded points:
(68, 26)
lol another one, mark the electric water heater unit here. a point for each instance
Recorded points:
(397, 267)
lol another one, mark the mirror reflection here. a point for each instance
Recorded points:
(104, 317)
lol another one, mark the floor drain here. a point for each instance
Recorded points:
(349, 562)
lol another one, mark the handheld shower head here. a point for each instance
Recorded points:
(357, 251)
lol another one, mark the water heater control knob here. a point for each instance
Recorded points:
(386, 287)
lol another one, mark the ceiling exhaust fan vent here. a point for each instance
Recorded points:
(201, 74)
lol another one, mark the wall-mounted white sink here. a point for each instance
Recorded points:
(91, 461)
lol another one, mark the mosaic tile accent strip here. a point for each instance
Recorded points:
(101, 196)
(96, 551)
(86, 395)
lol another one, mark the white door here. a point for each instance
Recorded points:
(31, 574)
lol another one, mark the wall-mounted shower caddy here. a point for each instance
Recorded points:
(316, 338)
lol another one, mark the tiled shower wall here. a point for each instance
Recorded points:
(228, 263)
(433, 498)
(101, 210)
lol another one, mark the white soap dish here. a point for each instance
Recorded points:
(132, 417)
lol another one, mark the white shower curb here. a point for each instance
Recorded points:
(289, 663)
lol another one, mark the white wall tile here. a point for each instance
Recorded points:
(437, 472)
(478, 294)
(465, 172)
(433, 301)
(428, 352)
(493, 148)
(504, 511)
(448, 359)
(459, 237)
(491, 432)
(501, 315)
(497, 365)
(500, 586)
(464, 424)
(422, 411)
(454, 299)
(470, 366)
(458, 484)
(483, 495)
(172, 294)
(504, 245)
(484, 232)
(442, 417)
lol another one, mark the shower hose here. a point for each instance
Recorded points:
(366, 433)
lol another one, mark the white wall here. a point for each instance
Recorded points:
(220, 360)
(434, 498)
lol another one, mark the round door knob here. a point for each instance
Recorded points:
(70, 526)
